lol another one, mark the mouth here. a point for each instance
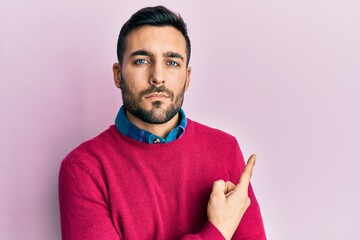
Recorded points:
(157, 96)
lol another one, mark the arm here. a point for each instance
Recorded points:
(83, 209)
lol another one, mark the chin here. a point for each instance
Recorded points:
(159, 112)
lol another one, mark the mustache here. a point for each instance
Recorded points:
(155, 89)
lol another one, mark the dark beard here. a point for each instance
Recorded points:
(156, 115)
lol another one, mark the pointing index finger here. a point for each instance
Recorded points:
(247, 173)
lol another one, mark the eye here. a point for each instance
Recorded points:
(173, 63)
(141, 61)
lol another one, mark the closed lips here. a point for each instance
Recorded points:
(157, 95)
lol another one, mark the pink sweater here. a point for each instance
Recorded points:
(114, 187)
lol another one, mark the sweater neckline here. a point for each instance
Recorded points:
(180, 140)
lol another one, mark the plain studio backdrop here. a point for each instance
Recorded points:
(282, 76)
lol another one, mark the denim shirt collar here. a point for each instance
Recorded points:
(128, 129)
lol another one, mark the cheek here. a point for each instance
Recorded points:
(133, 85)
(178, 84)
(137, 79)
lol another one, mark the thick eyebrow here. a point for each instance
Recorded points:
(141, 53)
(174, 55)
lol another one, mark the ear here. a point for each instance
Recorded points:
(187, 80)
(117, 74)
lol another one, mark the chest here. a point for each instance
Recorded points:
(160, 193)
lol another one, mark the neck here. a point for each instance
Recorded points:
(161, 130)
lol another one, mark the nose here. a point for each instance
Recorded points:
(157, 76)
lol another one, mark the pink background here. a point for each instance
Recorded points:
(282, 76)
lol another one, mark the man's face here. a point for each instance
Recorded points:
(153, 76)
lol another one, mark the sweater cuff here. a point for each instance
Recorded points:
(211, 232)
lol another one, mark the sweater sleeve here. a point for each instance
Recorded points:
(209, 232)
(83, 209)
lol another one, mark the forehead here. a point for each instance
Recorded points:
(156, 39)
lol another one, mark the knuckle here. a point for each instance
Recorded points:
(247, 203)
(218, 182)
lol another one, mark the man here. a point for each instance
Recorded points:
(156, 174)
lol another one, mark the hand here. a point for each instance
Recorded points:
(228, 202)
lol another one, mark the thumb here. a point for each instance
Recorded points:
(218, 187)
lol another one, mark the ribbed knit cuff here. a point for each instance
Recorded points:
(211, 232)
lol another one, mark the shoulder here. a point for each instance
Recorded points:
(93, 148)
(218, 144)
(205, 132)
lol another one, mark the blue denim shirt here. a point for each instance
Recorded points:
(128, 129)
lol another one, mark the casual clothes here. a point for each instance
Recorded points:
(114, 187)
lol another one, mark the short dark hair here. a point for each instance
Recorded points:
(152, 16)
